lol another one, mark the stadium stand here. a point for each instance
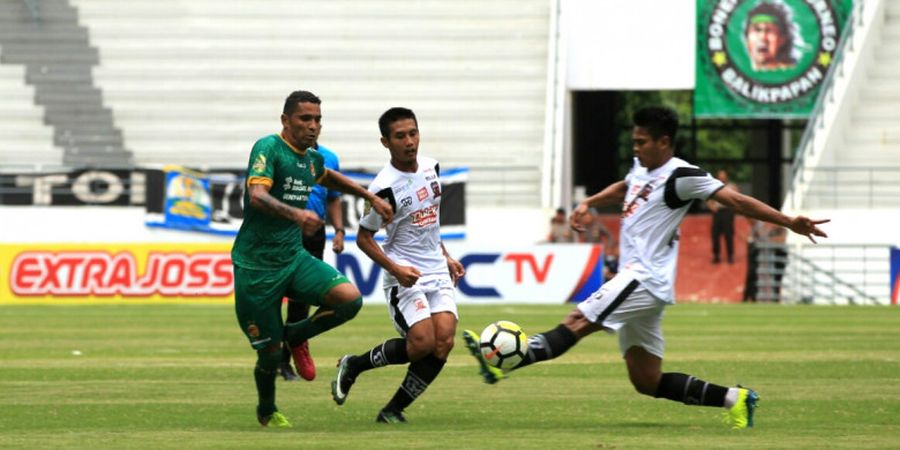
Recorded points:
(196, 82)
(848, 166)
(58, 61)
(24, 139)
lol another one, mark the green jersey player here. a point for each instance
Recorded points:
(270, 262)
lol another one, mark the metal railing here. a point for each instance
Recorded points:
(851, 187)
(816, 121)
(825, 273)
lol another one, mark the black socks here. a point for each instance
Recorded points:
(690, 390)
(419, 375)
(548, 345)
(391, 351)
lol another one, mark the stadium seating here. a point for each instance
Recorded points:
(853, 160)
(24, 138)
(849, 167)
(54, 50)
(197, 81)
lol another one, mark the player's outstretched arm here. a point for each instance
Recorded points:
(333, 179)
(262, 200)
(611, 195)
(753, 208)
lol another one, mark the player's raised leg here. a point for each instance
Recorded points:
(489, 373)
(323, 285)
(541, 347)
(644, 371)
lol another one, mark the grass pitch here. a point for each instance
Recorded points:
(180, 376)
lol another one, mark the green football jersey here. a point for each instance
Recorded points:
(266, 241)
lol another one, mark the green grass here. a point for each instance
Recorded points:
(180, 376)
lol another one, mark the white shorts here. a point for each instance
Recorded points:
(622, 305)
(407, 306)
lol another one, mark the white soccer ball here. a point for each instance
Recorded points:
(503, 344)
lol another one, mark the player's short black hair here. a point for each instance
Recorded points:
(392, 115)
(659, 121)
(290, 103)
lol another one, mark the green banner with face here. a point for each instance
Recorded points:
(764, 58)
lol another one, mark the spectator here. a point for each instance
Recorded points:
(722, 222)
(763, 233)
(559, 228)
(595, 232)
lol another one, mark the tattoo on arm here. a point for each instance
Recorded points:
(270, 205)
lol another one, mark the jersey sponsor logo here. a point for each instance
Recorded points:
(402, 186)
(420, 304)
(640, 193)
(426, 216)
(292, 185)
(253, 330)
(260, 164)
(436, 189)
(295, 197)
(312, 170)
(422, 194)
(105, 274)
(406, 202)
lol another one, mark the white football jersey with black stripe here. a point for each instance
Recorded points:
(414, 236)
(655, 203)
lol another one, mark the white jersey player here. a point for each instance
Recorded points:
(655, 196)
(419, 274)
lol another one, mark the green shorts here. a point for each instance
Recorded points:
(258, 295)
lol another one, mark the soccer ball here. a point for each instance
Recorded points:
(503, 344)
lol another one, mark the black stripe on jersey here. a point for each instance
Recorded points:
(618, 301)
(437, 169)
(388, 195)
(670, 194)
(395, 309)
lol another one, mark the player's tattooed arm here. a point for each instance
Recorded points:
(262, 200)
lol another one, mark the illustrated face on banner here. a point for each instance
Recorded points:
(768, 42)
(764, 58)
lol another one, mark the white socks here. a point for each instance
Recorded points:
(731, 397)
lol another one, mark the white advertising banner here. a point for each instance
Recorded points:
(202, 273)
(529, 274)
